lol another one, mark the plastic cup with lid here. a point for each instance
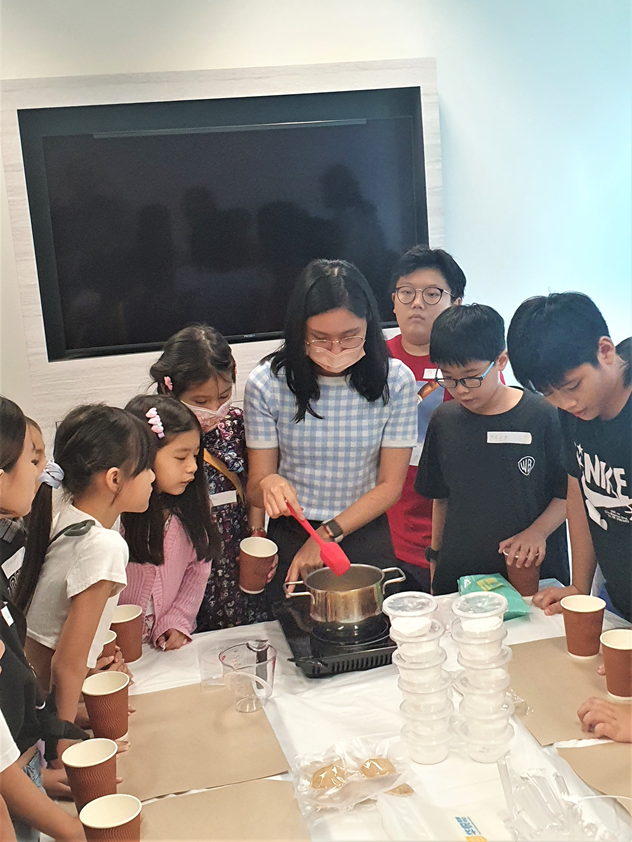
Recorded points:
(487, 674)
(421, 673)
(426, 749)
(481, 646)
(422, 719)
(409, 605)
(478, 610)
(483, 699)
(427, 696)
(422, 648)
(487, 725)
(485, 749)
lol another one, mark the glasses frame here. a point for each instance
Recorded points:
(423, 295)
(443, 381)
(329, 343)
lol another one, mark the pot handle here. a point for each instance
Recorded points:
(286, 585)
(396, 579)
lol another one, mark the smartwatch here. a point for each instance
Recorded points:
(430, 554)
(334, 530)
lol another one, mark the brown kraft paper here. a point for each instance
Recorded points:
(553, 685)
(606, 768)
(254, 810)
(188, 738)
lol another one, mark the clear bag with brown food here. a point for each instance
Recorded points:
(349, 773)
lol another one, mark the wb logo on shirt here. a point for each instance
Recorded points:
(526, 464)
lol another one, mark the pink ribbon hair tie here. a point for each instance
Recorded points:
(167, 381)
(155, 423)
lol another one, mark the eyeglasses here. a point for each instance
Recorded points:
(468, 382)
(431, 295)
(347, 343)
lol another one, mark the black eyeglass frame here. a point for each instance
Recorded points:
(423, 294)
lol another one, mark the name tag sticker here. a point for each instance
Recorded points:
(508, 438)
(8, 619)
(430, 373)
(223, 498)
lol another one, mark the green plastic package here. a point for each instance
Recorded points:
(517, 607)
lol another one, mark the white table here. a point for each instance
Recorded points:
(309, 715)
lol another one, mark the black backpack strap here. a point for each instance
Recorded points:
(74, 530)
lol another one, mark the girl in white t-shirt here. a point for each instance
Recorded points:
(74, 564)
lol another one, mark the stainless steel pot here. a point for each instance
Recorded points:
(349, 599)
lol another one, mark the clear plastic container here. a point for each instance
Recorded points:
(481, 646)
(416, 630)
(427, 696)
(485, 749)
(419, 649)
(427, 750)
(421, 673)
(483, 699)
(414, 715)
(479, 609)
(487, 674)
(487, 725)
(409, 604)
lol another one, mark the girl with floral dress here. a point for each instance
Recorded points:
(197, 367)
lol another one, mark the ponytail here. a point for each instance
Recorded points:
(37, 540)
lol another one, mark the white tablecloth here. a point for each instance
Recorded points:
(309, 715)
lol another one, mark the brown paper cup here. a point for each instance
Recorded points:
(526, 580)
(106, 698)
(109, 646)
(256, 556)
(616, 646)
(91, 770)
(127, 622)
(583, 621)
(112, 818)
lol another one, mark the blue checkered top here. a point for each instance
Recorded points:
(331, 461)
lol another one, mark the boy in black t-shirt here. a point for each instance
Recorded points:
(560, 345)
(491, 460)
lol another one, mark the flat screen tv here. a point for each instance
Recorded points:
(147, 217)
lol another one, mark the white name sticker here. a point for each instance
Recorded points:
(508, 438)
(431, 373)
(13, 564)
(8, 619)
(224, 498)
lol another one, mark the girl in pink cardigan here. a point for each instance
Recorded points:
(173, 543)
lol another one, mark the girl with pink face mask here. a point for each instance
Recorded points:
(197, 368)
(330, 423)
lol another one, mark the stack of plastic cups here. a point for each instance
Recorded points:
(424, 683)
(486, 708)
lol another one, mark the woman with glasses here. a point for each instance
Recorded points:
(330, 423)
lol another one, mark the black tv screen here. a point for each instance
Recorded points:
(151, 216)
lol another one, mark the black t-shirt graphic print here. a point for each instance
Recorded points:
(599, 454)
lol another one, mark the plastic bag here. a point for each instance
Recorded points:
(517, 607)
(348, 773)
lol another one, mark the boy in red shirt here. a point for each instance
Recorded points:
(425, 282)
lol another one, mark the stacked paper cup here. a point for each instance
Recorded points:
(424, 683)
(486, 707)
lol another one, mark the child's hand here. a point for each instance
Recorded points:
(550, 599)
(273, 569)
(525, 548)
(171, 639)
(55, 783)
(603, 719)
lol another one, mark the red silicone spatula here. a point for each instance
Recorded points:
(331, 553)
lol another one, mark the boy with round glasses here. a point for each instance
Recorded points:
(425, 282)
(491, 460)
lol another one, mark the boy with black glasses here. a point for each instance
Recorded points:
(491, 460)
(560, 345)
(425, 282)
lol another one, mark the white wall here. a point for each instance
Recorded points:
(534, 98)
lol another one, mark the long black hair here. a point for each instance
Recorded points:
(326, 285)
(144, 531)
(192, 356)
(12, 435)
(91, 439)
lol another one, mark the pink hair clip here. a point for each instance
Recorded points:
(167, 381)
(155, 423)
